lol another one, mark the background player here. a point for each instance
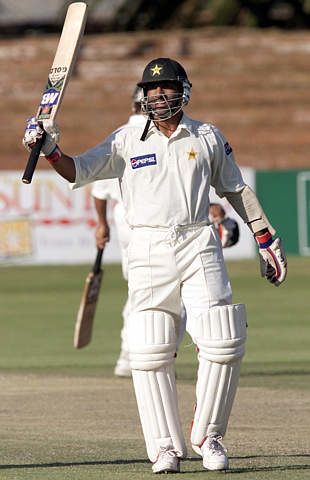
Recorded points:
(105, 191)
(227, 227)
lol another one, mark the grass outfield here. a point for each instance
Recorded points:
(64, 415)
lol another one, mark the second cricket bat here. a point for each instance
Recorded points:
(59, 75)
(86, 314)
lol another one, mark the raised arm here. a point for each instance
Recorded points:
(62, 163)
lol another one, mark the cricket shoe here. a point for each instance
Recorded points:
(167, 461)
(122, 367)
(214, 454)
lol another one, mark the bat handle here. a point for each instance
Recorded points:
(97, 264)
(33, 160)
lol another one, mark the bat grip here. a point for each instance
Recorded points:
(33, 160)
(97, 264)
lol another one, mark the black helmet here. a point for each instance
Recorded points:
(163, 69)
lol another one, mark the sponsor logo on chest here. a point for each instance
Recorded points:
(143, 161)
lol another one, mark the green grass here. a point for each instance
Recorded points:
(38, 306)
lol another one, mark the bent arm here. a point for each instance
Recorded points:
(246, 204)
(273, 263)
(228, 182)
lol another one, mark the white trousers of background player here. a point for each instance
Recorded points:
(123, 233)
(164, 265)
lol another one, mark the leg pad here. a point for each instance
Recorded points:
(220, 338)
(152, 347)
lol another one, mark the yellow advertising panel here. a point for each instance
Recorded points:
(15, 238)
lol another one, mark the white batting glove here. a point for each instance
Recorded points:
(273, 263)
(34, 132)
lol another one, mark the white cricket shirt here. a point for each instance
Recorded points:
(165, 181)
(109, 189)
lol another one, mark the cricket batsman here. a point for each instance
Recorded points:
(165, 170)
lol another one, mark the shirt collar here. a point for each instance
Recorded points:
(185, 124)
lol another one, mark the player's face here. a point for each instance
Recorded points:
(164, 98)
(162, 88)
(216, 214)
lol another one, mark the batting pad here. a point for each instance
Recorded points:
(158, 409)
(152, 344)
(151, 339)
(220, 337)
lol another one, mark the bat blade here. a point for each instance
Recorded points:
(87, 309)
(60, 73)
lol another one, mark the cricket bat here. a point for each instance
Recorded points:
(86, 313)
(59, 75)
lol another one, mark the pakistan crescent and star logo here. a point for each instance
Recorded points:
(156, 70)
(192, 154)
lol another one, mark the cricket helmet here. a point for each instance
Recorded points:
(136, 98)
(164, 70)
(137, 94)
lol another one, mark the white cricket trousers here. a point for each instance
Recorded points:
(165, 266)
(168, 264)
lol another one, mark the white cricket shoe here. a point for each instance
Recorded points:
(122, 367)
(214, 454)
(167, 461)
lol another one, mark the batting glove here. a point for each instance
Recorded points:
(273, 263)
(34, 132)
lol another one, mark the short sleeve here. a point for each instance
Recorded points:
(100, 162)
(226, 175)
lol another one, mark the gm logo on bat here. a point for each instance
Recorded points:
(50, 98)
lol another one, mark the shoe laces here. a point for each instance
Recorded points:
(167, 451)
(215, 444)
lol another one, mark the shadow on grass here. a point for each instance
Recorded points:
(73, 464)
(266, 468)
(271, 468)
